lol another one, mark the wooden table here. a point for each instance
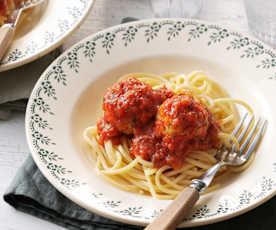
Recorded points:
(106, 13)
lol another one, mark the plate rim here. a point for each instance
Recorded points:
(113, 216)
(52, 47)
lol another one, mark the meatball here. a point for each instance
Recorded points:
(182, 115)
(211, 140)
(129, 104)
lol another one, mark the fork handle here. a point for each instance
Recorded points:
(6, 35)
(177, 209)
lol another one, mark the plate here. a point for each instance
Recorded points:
(50, 24)
(68, 98)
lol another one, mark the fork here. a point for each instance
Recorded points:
(174, 213)
(8, 29)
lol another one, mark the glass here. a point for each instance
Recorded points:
(175, 8)
(261, 16)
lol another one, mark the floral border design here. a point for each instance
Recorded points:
(57, 76)
(74, 13)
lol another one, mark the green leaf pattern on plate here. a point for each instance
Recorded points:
(72, 60)
(89, 50)
(108, 41)
(197, 31)
(175, 30)
(129, 35)
(15, 55)
(132, 211)
(246, 197)
(48, 89)
(152, 31)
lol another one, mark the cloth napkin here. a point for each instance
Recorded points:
(31, 193)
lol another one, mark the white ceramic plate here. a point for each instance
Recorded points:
(45, 30)
(68, 98)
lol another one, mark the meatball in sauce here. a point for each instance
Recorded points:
(129, 104)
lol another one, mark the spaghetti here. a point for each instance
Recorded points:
(117, 165)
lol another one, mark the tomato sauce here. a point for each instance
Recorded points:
(108, 132)
(3, 9)
(163, 127)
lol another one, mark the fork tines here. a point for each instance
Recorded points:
(248, 135)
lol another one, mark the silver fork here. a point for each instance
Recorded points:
(8, 29)
(174, 213)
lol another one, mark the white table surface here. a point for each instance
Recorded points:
(106, 13)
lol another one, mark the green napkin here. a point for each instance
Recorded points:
(30, 192)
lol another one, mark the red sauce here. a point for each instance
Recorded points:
(163, 127)
(3, 8)
(108, 132)
(144, 142)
